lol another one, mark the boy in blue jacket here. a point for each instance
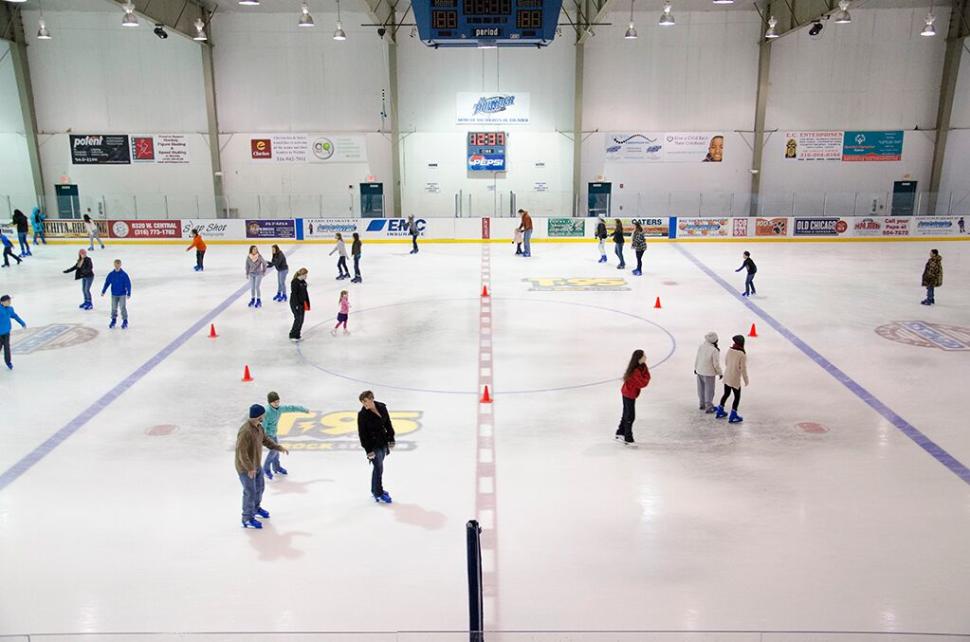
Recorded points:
(8, 251)
(120, 285)
(270, 422)
(37, 218)
(6, 314)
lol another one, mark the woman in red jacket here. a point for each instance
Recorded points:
(635, 379)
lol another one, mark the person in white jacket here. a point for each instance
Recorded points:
(735, 371)
(341, 249)
(707, 365)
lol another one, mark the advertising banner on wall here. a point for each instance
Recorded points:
(814, 146)
(935, 226)
(704, 227)
(740, 225)
(308, 148)
(872, 146)
(100, 149)
(665, 147)
(560, 227)
(317, 228)
(820, 227)
(271, 229)
(146, 229)
(214, 229)
(391, 227)
(161, 149)
(652, 227)
(777, 226)
(492, 109)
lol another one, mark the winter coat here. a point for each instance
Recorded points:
(639, 242)
(85, 270)
(526, 224)
(6, 314)
(412, 227)
(601, 232)
(735, 368)
(271, 419)
(618, 236)
(299, 297)
(355, 248)
(340, 247)
(638, 380)
(279, 262)
(375, 432)
(933, 272)
(5, 241)
(255, 267)
(708, 360)
(249, 447)
(37, 219)
(119, 281)
(197, 243)
(749, 264)
(20, 221)
(91, 227)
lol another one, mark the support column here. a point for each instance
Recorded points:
(395, 128)
(212, 119)
(761, 106)
(14, 29)
(578, 129)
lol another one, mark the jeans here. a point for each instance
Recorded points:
(377, 473)
(8, 252)
(930, 291)
(272, 462)
(281, 281)
(92, 236)
(705, 392)
(618, 248)
(199, 256)
(299, 312)
(116, 302)
(252, 494)
(639, 260)
(527, 240)
(24, 247)
(5, 344)
(39, 233)
(749, 284)
(626, 421)
(727, 393)
(86, 288)
(357, 266)
(602, 244)
(255, 280)
(342, 266)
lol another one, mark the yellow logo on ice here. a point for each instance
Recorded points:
(337, 430)
(576, 284)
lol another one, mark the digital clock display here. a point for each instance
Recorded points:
(487, 7)
(486, 152)
(486, 139)
(444, 4)
(444, 19)
(528, 19)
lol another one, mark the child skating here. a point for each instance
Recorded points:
(635, 379)
(255, 269)
(341, 248)
(120, 284)
(271, 421)
(37, 218)
(749, 279)
(278, 262)
(638, 242)
(343, 314)
(8, 251)
(7, 313)
(517, 239)
(199, 246)
(93, 233)
(601, 236)
(355, 252)
(84, 272)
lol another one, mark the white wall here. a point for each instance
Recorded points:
(16, 182)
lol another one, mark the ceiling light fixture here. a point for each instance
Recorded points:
(842, 16)
(631, 31)
(130, 19)
(200, 31)
(42, 32)
(339, 34)
(306, 20)
(249, 3)
(929, 29)
(771, 34)
(667, 18)
(723, 1)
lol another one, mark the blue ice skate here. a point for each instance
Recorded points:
(252, 523)
(735, 418)
(719, 412)
(261, 512)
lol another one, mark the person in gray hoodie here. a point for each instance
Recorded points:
(707, 365)
(255, 269)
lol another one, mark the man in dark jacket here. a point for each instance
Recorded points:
(249, 457)
(376, 438)
(21, 222)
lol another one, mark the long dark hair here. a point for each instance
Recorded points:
(277, 250)
(356, 236)
(637, 227)
(619, 224)
(634, 364)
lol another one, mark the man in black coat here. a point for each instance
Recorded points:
(376, 438)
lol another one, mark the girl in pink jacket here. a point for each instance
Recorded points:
(343, 314)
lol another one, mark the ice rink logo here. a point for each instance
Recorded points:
(951, 338)
(337, 431)
(576, 284)
(493, 104)
(51, 337)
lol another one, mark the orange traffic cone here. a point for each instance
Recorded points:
(484, 290)
(486, 398)
(656, 303)
(753, 332)
(246, 375)
(212, 331)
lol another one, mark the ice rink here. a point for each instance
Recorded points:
(841, 503)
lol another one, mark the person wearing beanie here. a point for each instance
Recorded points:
(932, 277)
(735, 371)
(7, 314)
(707, 365)
(249, 453)
(270, 424)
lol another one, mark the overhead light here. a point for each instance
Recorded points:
(842, 16)
(130, 19)
(816, 29)
(723, 1)
(16, 1)
(667, 18)
(771, 34)
(249, 3)
(200, 31)
(930, 28)
(42, 32)
(306, 20)
(339, 34)
(631, 31)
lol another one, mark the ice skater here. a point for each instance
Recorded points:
(638, 242)
(618, 242)
(355, 252)
(601, 236)
(341, 248)
(635, 379)
(749, 279)
(7, 313)
(932, 277)
(299, 303)
(735, 372)
(8, 251)
(120, 284)
(377, 439)
(255, 269)
(707, 366)
(93, 233)
(526, 227)
(414, 232)
(21, 222)
(343, 314)
(37, 218)
(278, 261)
(517, 240)
(200, 247)
(249, 457)
(83, 271)
(270, 424)
(960, 224)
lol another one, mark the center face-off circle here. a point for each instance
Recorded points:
(434, 344)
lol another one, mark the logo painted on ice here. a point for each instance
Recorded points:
(951, 338)
(51, 337)
(493, 104)
(337, 431)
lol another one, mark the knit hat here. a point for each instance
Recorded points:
(738, 339)
(711, 337)
(256, 410)
(271, 397)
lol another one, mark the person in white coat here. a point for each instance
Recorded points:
(707, 366)
(735, 371)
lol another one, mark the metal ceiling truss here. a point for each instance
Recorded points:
(11, 23)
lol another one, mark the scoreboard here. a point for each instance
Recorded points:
(487, 23)
(486, 151)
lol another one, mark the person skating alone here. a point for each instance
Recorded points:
(37, 218)
(638, 242)
(635, 379)
(120, 284)
(707, 366)
(270, 424)
(278, 262)
(341, 249)
(255, 269)
(735, 373)
(249, 458)
(200, 247)
(8, 251)
(22, 228)
(960, 224)
(932, 277)
(414, 232)
(7, 314)
(343, 314)
(601, 236)
(93, 233)
(752, 269)
(83, 271)
(299, 303)
(355, 252)
(377, 439)
(618, 242)
(526, 227)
